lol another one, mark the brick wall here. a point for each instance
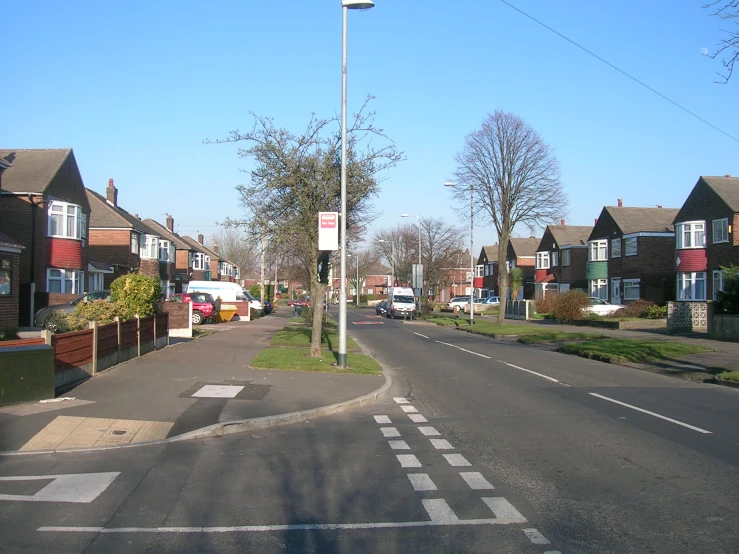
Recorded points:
(574, 274)
(16, 223)
(9, 304)
(149, 267)
(112, 248)
(182, 261)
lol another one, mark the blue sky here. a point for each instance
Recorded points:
(135, 87)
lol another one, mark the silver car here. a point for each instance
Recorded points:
(39, 319)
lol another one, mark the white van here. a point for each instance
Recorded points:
(229, 292)
(401, 303)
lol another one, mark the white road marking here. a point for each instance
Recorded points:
(418, 418)
(503, 509)
(441, 444)
(476, 481)
(429, 431)
(399, 445)
(440, 511)
(382, 419)
(400, 400)
(408, 409)
(421, 482)
(76, 487)
(420, 335)
(390, 432)
(535, 537)
(464, 349)
(218, 391)
(408, 460)
(529, 371)
(456, 460)
(676, 422)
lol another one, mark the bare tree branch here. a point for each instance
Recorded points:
(727, 10)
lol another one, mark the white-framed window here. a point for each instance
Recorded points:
(631, 289)
(237, 274)
(555, 258)
(134, 243)
(565, 257)
(691, 286)
(166, 251)
(599, 288)
(150, 248)
(630, 246)
(720, 230)
(68, 281)
(479, 269)
(225, 268)
(198, 260)
(691, 234)
(542, 260)
(615, 248)
(718, 282)
(487, 270)
(96, 282)
(598, 251)
(66, 220)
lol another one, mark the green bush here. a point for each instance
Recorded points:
(727, 300)
(101, 311)
(593, 317)
(10, 333)
(135, 294)
(569, 306)
(364, 298)
(637, 308)
(657, 312)
(59, 322)
(255, 291)
(544, 305)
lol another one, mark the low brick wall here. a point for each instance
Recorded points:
(723, 327)
(180, 318)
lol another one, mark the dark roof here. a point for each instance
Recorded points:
(726, 187)
(32, 170)
(195, 245)
(100, 265)
(105, 215)
(5, 240)
(525, 247)
(167, 234)
(643, 220)
(491, 252)
(571, 234)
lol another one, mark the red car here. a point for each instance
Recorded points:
(304, 302)
(204, 307)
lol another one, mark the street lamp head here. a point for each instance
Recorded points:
(357, 4)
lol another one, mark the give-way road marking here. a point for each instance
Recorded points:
(75, 487)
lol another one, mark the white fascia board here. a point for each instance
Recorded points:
(644, 234)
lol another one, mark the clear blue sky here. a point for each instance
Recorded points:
(134, 87)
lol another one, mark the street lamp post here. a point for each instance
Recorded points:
(345, 6)
(472, 259)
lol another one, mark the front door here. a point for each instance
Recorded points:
(616, 290)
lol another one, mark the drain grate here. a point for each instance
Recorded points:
(118, 432)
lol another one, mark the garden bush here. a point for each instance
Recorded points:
(569, 306)
(544, 305)
(101, 311)
(135, 294)
(9, 333)
(657, 312)
(637, 308)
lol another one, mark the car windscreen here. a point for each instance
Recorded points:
(403, 299)
(201, 297)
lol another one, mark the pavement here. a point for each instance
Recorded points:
(192, 388)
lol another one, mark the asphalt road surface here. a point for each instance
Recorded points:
(483, 446)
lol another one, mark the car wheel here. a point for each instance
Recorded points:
(197, 318)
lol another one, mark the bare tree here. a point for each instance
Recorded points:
(727, 10)
(236, 246)
(438, 240)
(513, 177)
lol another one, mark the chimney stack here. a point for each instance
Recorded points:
(200, 238)
(659, 206)
(620, 203)
(170, 223)
(562, 222)
(111, 193)
(596, 221)
(215, 247)
(728, 175)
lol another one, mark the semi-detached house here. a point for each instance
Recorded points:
(561, 259)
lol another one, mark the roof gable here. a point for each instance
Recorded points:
(31, 170)
(570, 235)
(166, 234)
(643, 220)
(105, 215)
(727, 188)
(520, 248)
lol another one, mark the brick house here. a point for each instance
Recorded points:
(208, 264)
(44, 208)
(455, 279)
(486, 271)
(631, 255)
(183, 253)
(126, 243)
(561, 259)
(522, 253)
(705, 239)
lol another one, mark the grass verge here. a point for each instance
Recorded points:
(618, 351)
(729, 376)
(298, 359)
(301, 336)
(558, 336)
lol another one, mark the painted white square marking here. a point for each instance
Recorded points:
(401, 400)
(439, 511)
(74, 487)
(421, 482)
(429, 431)
(389, 432)
(408, 409)
(476, 481)
(408, 460)
(503, 509)
(218, 391)
(456, 460)
(399, 445)
(382, 419)
(441, 444)
(418, 418)
(535, 537)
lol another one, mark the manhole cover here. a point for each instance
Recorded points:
(117, 432)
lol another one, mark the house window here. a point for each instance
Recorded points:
(691, 234)
(616, 248)
(718, 282)
(96, 282)
(150, 247)
(134, 243)
(599, 288)
(631, 289)
(598, 251)
(67, 221)
(6, 277)
(542, 260)
(237, 274)
(555, 258)
(487, 270)
(565, 258)
(478, 270)
(164, 251)
(720, 230)
(68, 281)
(630, 246)
(691, 286)
(198, 261)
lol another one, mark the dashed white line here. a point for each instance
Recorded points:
(399, 445)
(441, 444)
(418, 418)
(476, 481)
(390, 432)
(464, 349)
(408, 409)
(421, 482)
(529, 371)
(401, 400)
(676, 422)
(535, 537)
(439, 510)
(456, 460)
(408, 460)
(502, 508)
(382, 419)
(420, 335)
(429, 431)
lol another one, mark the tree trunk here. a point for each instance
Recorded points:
(317, 294)
(502, 276)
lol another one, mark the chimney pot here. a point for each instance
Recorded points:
(201, 238)
(170, 223)
(111, 194)
(728, 175)
(620, 203)
(562, 222)
(596, 221)
(659, 206)
(215, 247)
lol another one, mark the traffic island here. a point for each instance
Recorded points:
(622, 351)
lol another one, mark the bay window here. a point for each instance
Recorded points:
(479, 270)
(720, 230)
(599, 288)
(691, 286)
(68, 281)
(66, 221)
(631, 289)
(542, 260)
(150, 247)
(691, 234)
(166, 251)
(598, 251)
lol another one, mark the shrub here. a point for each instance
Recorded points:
(657, 312)
(10, 333)
(101, 311)
(727, 300)
(255, 291)
(568, 306)
(637, 308)
(59, 322)
(544, 305)
(135, 294)
(593, 317)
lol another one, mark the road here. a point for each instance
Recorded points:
(483, 446)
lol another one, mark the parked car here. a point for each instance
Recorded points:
(601, 307)
(381, 308)
(490, 300)
(39, 320)
(204, 306)
(458, 303)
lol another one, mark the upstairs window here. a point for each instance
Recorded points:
(134, 243)
(720, 230)
(630, 246)
(555, 258)
(66, 221)
(565, 258)
(237, 273)
(542, 260)
(598, 251)
(691, 234)
(164, 250)
(150, 247)
(479, 269)
(198, 260)
(616, 248)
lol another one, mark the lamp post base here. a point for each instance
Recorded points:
(342, 360)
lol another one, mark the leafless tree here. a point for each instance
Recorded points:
(728, 47)
(236, 246)
(513, 177)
